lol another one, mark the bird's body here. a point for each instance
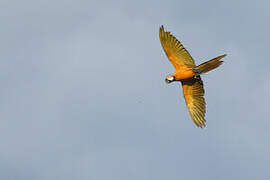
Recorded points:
(188, 74)
(184, 75)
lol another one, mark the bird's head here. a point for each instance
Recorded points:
(169, 79)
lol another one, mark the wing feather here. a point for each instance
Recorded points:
(193, 93)
(177, 54)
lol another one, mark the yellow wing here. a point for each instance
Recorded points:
(193, 92)
(177, 54)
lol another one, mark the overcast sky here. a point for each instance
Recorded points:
(83, 94)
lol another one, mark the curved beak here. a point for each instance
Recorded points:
(167, 81)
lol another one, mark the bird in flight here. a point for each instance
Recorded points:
(188, 74)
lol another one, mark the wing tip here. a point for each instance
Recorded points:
(161, 29)
(203, 125)
(222, 56)
(200, 124)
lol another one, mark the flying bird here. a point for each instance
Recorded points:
(188, 74)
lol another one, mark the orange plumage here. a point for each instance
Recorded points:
(188, 74)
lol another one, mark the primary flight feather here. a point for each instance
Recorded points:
(188, 74)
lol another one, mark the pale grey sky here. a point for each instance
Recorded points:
(83, 93)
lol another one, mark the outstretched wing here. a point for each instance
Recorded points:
(177, 54)
(193, 92)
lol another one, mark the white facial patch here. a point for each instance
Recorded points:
(170, 78)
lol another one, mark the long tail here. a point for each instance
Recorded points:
(209, 65)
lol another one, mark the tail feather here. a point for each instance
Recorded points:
(211, 64)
